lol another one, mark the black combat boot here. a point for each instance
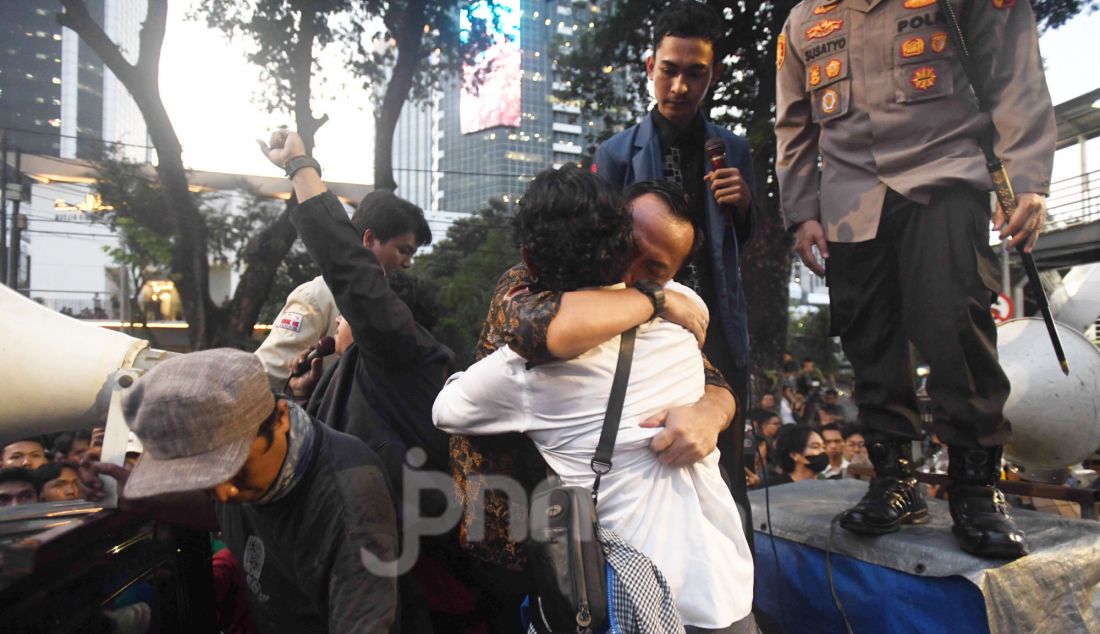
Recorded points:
(894, 497)
(978, 508)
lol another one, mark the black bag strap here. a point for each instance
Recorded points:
(601, 463)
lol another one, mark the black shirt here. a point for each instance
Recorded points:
(682, 161)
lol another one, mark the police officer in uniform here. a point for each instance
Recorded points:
(900, 211)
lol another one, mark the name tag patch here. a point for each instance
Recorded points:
(289, 321)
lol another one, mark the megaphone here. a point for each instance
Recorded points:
(58, 373)
(1055, 418)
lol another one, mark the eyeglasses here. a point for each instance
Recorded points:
(856, 445)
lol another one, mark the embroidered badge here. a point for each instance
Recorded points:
(823, 29)
(912, 47)
(815, 74)
(923, 78)
(825, 8)
(290, 321)
(939, 41)
(1003, 4)
(833, 68)
(780, 51)
(918, 4)
(830, 100)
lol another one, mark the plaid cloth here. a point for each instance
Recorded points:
(638, 597)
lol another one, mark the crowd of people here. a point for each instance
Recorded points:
(379, 491)
(809, 430)
(40, 470)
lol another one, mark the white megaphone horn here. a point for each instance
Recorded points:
(60, 374)
(56, 371)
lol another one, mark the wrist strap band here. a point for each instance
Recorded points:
(298, 162)
(655, 293)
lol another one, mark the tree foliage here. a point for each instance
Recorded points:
(400, 50)
(179, 218)
(136, 203)
(605, 73)
(465, 267)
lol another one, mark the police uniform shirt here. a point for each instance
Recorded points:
(874, 89)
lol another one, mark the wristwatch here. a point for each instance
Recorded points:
(298, 162)
(655, 293)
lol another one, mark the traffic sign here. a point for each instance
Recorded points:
(1003, 309)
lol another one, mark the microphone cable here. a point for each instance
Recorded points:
(771, 537)
(829, 572)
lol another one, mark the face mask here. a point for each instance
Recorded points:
(817, 463)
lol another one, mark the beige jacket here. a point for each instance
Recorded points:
(874, 89)
(309, 314)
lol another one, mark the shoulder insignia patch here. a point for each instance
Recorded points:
(1003, 4)
(815, 74)
(593, 167)
(833, 68)
(824, 28)
(780, 51)
(923, 78)
(939, 41)
(289, 321)
(912, 47)
(830, 101)
(918, 4)
(825, 8)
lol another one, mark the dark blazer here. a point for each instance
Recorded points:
(635, 155)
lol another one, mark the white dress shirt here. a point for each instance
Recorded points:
(683, 518)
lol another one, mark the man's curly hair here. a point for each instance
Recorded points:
(574, 230)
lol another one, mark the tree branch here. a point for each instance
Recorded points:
(76, 17)
(152, 39)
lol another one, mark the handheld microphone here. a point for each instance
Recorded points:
(716, 152)
(325, 347)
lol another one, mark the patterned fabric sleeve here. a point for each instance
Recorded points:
(519, 317)
(713, 376)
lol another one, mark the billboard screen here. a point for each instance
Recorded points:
(491, 87)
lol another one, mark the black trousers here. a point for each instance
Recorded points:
(928, 277)
(731, 442)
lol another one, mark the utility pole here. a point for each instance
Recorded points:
(13, 250)
(3, 205)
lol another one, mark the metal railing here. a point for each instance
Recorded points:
(1073, 201)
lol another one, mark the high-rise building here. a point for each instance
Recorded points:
(497, 132)
(56, 97)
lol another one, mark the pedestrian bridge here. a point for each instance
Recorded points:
(1072, 233)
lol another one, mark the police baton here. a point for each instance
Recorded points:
(1007, 198)
(1001, 185)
